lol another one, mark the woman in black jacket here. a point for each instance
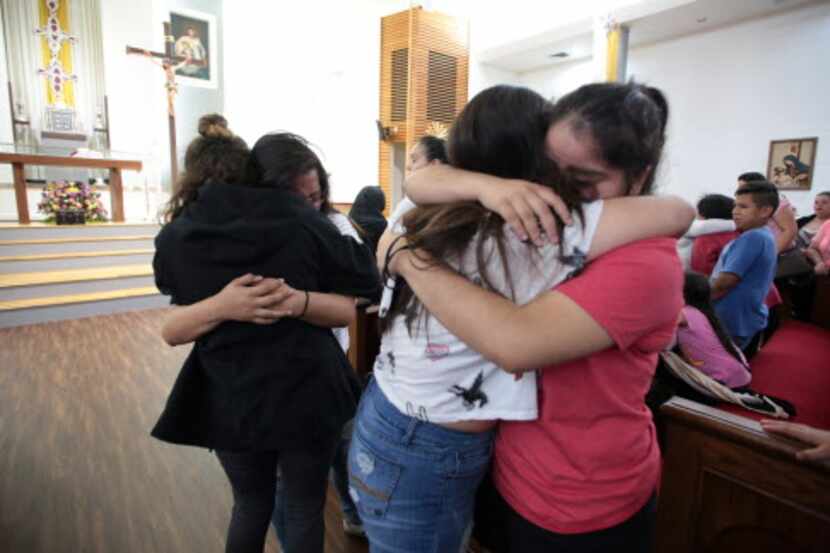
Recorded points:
(278, 392)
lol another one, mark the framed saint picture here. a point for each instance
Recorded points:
(791, 163)
(194, 38)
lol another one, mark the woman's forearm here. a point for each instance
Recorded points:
(185, 324)
(440, 183)
(633, 218)
(813, 255)
(785, 219)
(516, 338)
(328, 310)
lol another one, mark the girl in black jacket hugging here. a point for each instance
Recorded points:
(265, 385)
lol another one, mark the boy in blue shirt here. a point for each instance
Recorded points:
(743, 275)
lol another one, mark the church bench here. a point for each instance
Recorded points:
(727, 485)
(821, 302)
(364, 339)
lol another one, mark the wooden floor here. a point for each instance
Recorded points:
(78, 469)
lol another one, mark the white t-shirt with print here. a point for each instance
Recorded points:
(344, 225)
(434, 376)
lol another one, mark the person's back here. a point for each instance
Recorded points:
(367, 213)
(706, 250)
(550, 471)
(714, 218)
(233, 229)
(703, 350)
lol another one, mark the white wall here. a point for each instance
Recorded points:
(6, 134)
(134, 85)
(481, 75)
(315, 72)
(731, 91)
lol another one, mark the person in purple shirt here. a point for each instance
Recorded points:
(746, 267)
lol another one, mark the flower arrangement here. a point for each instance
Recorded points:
(71, 196)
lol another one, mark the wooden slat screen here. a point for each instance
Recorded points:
(442, 76)
(400, 83)
(423, 79)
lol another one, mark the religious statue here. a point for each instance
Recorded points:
(98, 141)
(22, 127)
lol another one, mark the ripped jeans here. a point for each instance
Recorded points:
(414, 482)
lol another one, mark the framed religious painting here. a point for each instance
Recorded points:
(194, 39)
(791, 163)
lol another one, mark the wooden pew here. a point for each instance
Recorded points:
(728, 486)
(364, 339)
(821, 302)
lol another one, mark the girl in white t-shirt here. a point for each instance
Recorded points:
(424, 429)
(429, 150)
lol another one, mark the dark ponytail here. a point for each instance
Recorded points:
(626, 120)
(435, 149)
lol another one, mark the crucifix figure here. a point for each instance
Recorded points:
(168, 61)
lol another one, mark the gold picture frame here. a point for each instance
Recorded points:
(792, 162)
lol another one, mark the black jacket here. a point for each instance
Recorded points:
(367, 212)
(248, 387)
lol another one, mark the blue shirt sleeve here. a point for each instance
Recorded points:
(746, 249)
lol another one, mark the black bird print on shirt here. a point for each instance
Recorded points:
(473, 395)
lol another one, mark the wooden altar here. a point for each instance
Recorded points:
(115, 166)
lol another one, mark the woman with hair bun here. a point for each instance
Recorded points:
(266, 384)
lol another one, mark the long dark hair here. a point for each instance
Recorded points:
(435, 149)
(216, 155)
(697, 293)
(277, 159)
(626, 120)
(715, 206)
(500, 132)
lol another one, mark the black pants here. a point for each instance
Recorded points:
(253, 478)
(502, 530)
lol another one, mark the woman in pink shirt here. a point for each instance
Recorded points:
(581, 477)
(704, 342)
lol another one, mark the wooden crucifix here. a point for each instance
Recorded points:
(168, 61)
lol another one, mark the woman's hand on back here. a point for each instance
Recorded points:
(255, 299)
(526, 207)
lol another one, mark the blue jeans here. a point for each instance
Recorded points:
(414, 483)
